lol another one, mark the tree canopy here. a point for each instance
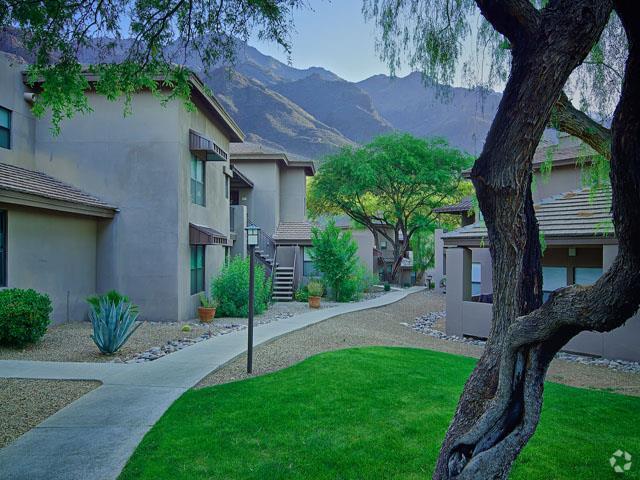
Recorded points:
(391, 186)
(443, 38)
(138, 44)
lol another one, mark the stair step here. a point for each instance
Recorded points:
(286, 269)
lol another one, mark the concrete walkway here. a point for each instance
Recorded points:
(93, 437)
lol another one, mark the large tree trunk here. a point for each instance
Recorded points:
(500, 405)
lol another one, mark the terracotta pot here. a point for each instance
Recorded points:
(206, 314)
(314, 302)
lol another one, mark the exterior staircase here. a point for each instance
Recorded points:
(264, 258)
(283, 284)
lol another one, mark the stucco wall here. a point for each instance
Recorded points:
(293, 195)
(12, 91)
(561, 179)
(263, 203)
(54, 254)
(215, 213)
(132, 163)
(471, 318)
(364, 239)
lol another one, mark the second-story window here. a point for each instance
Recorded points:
(5, 128)
(197, 181)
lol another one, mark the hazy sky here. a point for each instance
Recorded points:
(335, 36)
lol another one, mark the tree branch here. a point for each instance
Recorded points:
(515, 19)
(566, 118)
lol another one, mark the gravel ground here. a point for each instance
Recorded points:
(71, 342)
(26, 403)
(390, 326)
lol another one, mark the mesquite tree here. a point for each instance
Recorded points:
(500, 406)
(133, 45)
(390, 186)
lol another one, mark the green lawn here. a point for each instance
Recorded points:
(369, 413)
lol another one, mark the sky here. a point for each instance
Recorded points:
(335, 36)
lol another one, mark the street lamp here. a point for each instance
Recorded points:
(252, 241)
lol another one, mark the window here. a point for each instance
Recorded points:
(476, 278)
(226, 187)
(587, 275)
(308, 268)
(5, 128)
(3, 248)
(197, 269)
(197, 181)
(552, 279)
(383, 244)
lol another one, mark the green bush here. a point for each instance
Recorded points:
(387, 286)
(24, 316)
(302, 294)
(335, 255)
(231, 289)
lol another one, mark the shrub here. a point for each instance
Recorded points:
(387, 286)
(315, 288)
(113, 318)
(366, 279)
(302, 294)
(24, 316)
(231, 288)
(334, 254)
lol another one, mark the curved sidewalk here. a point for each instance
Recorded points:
(94, 436)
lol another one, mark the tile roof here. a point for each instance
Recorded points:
(294, 231)
(463, 206)
(562, 153)
(568, 152)
(21, 180)
(578, 213)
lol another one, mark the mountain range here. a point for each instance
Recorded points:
(312, 112)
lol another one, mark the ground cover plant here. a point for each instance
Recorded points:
(368, 413)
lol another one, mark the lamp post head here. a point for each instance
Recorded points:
(252, 234)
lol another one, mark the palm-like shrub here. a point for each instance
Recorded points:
(114, 321)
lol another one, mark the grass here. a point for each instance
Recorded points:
(369, 413)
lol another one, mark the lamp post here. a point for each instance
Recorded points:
(252, 241)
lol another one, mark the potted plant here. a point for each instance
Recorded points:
(207, 308)
(315, 289)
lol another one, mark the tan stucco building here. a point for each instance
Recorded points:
(136, 203)
(268, 189)
(580, 246)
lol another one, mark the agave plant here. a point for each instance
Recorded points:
(114, 321)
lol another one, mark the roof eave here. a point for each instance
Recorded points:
(28, 199)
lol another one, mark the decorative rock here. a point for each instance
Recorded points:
(425, 325)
